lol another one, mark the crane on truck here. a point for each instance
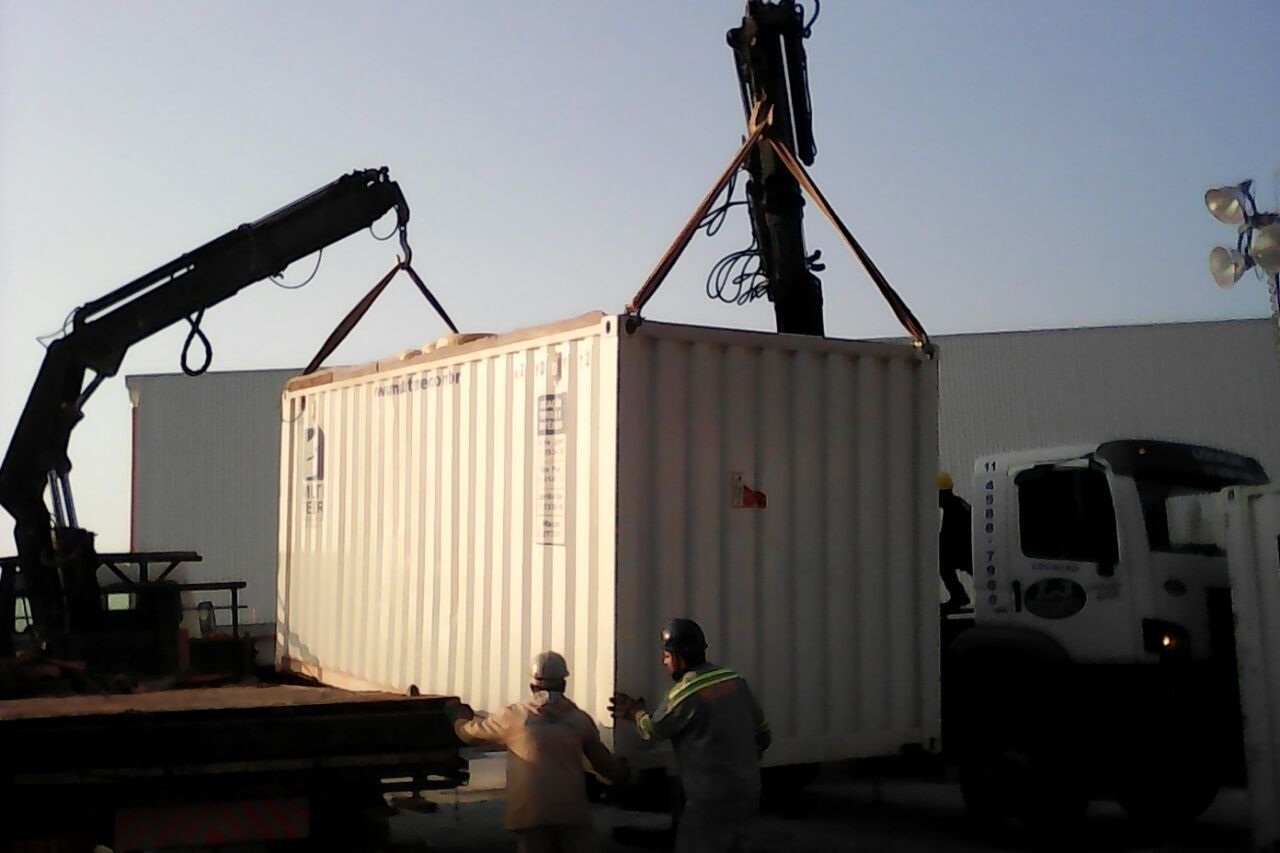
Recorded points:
(56, 562)
(167, 767)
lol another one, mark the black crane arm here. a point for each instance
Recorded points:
(60, 586)
(769, 55)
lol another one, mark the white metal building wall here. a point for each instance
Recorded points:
(1214, 383)
(206, 477)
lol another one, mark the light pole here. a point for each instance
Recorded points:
(1257, 242)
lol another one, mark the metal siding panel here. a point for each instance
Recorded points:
(810, 597)
(465, 567)
(706, 512)
(430, 671)
(481, 528)
(286, 526)
(190, 494)
(742, 642)
(928, 629)
(903, 639)
(538, 607)
(382, 517)
(605, 575)
(499, 512)
(775, 462)
(352, 465)
(871, 548)
(1214, 383)
(811, 563)
(585, 445)
(519, 511)
(447, 531)
(635, 526)
(558, 611)
(843, 650)
(669, 500)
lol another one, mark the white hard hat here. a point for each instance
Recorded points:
(549, 667)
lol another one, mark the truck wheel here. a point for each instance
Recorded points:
(1007, 786)
(1169, 798)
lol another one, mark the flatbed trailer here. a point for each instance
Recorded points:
(213, 765)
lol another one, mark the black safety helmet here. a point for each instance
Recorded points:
(684, 637)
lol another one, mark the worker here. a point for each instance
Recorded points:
(954, 551)
(719, 733)
(546, 738)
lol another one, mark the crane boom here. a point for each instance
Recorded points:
(769, 54)
(56, 555)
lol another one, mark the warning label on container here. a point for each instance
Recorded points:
(550, 485)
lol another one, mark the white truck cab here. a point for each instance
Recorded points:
(1114, 551)
(1100, 653)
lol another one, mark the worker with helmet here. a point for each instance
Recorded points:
(954, 543)
(718, 732)
(546, 738)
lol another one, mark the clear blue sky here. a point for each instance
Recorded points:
(1009, 165)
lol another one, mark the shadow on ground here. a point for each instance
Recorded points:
(841, 812)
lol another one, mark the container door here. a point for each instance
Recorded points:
(1066, 576)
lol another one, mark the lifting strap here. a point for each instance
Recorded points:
(356, 314)
(757, 125)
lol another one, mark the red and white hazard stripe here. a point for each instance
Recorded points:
(157, 827)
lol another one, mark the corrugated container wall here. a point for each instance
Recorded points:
(574, 487)
(204, 478)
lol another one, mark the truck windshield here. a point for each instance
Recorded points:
(1180, 519)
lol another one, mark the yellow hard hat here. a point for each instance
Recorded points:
(945, 482)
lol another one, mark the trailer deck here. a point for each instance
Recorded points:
(187, 745)
(198, 699)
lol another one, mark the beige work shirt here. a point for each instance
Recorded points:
(546, 739)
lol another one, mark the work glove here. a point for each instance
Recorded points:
(624, 707)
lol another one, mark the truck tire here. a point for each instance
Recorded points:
(1009, 785)
(1163, 796)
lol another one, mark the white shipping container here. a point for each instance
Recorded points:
(446, 516)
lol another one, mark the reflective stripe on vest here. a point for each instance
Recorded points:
(711, 678)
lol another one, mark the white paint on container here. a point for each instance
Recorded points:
(1253, 558)
(574, 487)
(204, 480)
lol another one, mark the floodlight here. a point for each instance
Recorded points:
(1264, 248)
(1227, 265)
(1229, 205)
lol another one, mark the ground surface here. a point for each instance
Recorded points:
(849, 813)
